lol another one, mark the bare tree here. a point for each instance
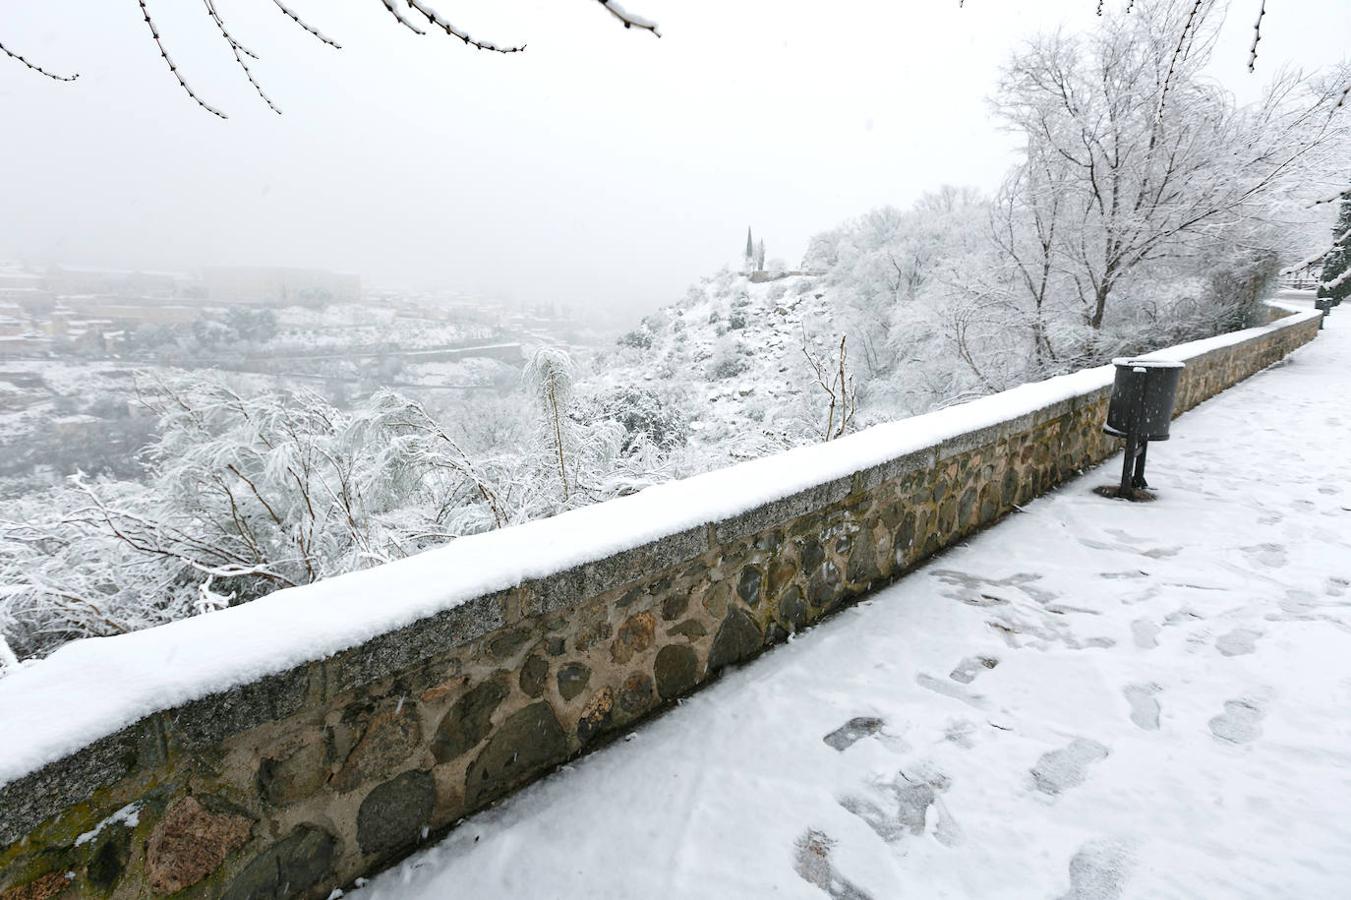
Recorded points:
(417, 16)
(833, 378)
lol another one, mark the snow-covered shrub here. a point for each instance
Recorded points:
(727, 361)
(646, 415)
(639, 338)
(245, 494)
(1235, 287)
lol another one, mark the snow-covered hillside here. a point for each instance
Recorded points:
(729, 355)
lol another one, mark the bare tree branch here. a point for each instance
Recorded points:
(306, 25)
(240, 51)
(629, 19)
(154, 33)
(35, 67)
(395, 8)
(435, 19)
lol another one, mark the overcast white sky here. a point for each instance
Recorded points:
(602, 166)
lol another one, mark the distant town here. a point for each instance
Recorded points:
(74, 340)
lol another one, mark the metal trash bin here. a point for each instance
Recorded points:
(1140, 411)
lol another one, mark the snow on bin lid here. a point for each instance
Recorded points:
(1148, 363)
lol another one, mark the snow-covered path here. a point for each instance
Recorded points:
(1092, 699)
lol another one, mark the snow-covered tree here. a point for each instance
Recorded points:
(1335, 282)
(1134, 157)
(548, 377)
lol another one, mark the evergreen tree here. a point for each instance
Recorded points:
(760, 256)
(1336, 281)
(750, 246)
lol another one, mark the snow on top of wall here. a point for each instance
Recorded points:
(92, 688)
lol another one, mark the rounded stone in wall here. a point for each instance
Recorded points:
(674, 605)
(596, 714)
(393, 814)
(288, 868)
(572, 680)
(192, 840)
(534, 676)
(748, 585)
(863, 566)
(636, 635)
(822, 589)
(529, 741)
(738, 637)
(469, 720)
(636, 695)
(793, 608)
(389, 739)
(677, 670)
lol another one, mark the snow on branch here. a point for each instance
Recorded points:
(35, 67)
(399, 9)
(154, 33)
(240, 51)
(392, 6)
(629, 19)
(306, 25)
(435, 19)
(1256, 37)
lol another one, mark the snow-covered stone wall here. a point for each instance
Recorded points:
(288, 746)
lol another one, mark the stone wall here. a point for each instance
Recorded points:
(305, 780)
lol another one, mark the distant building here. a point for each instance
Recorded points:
(279, 286)
(133, 311)
(83, 280)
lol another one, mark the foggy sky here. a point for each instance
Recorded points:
(602, 166)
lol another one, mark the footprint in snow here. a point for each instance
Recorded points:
(1239, 723)
(900, 807)
(1239, 642)
(812, 862)
(1134, 573)
(939, 686)
(969, 668)
(960, 732)
(1098, 871)
(1299, 603)
(1059, 770)
(853, 731)
(1146, 634)
(976, 590)
(1270, 555)
(1182, 616)
(1144, 705)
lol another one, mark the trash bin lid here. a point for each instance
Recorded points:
(1126, 361)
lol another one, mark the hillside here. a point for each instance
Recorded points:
(727, 361)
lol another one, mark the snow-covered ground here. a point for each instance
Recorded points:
(1092, 699)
